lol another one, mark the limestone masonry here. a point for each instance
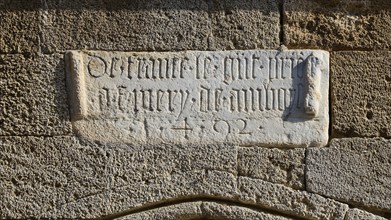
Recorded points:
(190, 110)
(268, 98)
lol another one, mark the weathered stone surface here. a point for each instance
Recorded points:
(56, 26)
(225, 211)
(189, 210)
(244, 25)
(178, 185)
(33, 95)
(123, 25)
(361, 94)
(354, 214)
(268, 98)
(273, 165)
(62, 177)
(40, 177)
(354, 170)
(154, 174)
(201, 210)
(289, 201)
(159, 25)
(19, 32)
(337, 25)
(129, 161)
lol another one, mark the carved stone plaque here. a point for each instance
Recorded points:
(266, 98)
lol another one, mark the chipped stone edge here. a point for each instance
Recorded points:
(76, 84)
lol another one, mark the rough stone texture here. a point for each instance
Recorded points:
(244, 24)
(289, 201)
(121, 25)
(204, 210)
(33, 95)
(47, 175)
(361, 94)
(159, 25)
(263, 97)
(40, 177)
(337, 25)
(158, 174)
(62, 177)
(236, 212)
(354, 214)
(55, 26)
(354, 170)
(273, 165)
(19, 32)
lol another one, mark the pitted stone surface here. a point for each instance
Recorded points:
(337, 25)
(244, 25)
(33, 97)
(361, 94)
(20, 26)
(159, 25)
(273, 165)
(287, 200)
(138, 26)
(353, 170)
(354, 214)
(204, 210)
(270, 98)
(42, 177)
(62, 177)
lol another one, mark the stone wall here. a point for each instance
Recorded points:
(49, 171)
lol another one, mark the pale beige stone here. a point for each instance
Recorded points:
(270, 98)
(337, 25)
(56, 26)
(159, 25)
(33, 95)
(273, 165)
(189, 210)
(20, 27)
(238, 212)
(41, 176)
(354, 214)
(244, 25)
(354, 170)
(123, 25)
(204, 210)
(63, 177)
(361, 94)
(287, 200)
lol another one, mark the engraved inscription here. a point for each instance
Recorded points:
(243, 97)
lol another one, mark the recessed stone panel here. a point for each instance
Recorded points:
(269, 98)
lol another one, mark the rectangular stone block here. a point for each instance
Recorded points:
(157, 161)
(355, 171)
(65, 177)
(244, 25)
(203, 210)
(20, 26)
(354, 214)
(159, 25)
(53, 177)
(286, 200)
(273, 165)
(269, 98)
(33, 95)
(361, 94)
(191, 184)
(123, 25)
(337, 25)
